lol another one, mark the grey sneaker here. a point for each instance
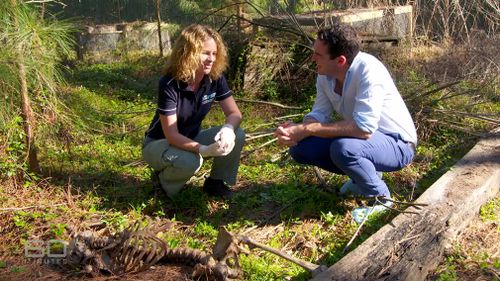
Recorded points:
(372, 207)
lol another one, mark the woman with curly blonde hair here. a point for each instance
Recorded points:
(175, 145)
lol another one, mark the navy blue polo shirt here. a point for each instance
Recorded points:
(174, 97)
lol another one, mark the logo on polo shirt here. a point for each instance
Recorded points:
(208, 98)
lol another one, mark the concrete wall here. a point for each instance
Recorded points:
(103, 41)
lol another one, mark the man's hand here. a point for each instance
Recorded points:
(283, 135)
(211, 150)
(225, 138)
(296, 132)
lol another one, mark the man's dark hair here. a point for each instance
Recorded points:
(341, 39)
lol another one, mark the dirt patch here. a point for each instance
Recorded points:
(30, 270)
(472, 254)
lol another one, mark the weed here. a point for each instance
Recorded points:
(116, 220)
(329, 218)
(18, 269)
(448, 274)
(58, 229)
(491, 210)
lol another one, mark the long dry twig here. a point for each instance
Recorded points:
(275, 214)
(430, 92)
(246, 153)
(358, 230)
(258, 136)
(320, 177)
(31, 207)
(469, 114)
(270, 103)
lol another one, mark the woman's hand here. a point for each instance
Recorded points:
(211, 150)
(225, 137)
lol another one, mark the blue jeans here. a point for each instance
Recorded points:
(360, 159)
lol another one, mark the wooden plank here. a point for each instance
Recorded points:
(411, 246)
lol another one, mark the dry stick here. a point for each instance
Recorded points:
(412, 191)
(46, 1)
(277, 119)
(269, 103)
(264, 125)
(394, 209)
(125, 112)
(279, 211)
(31, 207)
(460, 127)
(158, 20)
(358, 230)
(274, 27)
(69, 196)
(320, 177)
(250, 138)
(467, 114)
(493, 272)
(135, 163)
(283, 208)
(408, 238)
(220, 9)
(304, 264)
(371, 209)
(442, 87)
(401, 202)
(278, 155)
(288, 116)
(258, 147)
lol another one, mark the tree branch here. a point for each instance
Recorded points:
(270, 103)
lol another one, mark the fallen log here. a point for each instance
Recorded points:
(412, 245)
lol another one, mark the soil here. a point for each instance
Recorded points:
(36, 271)
(479, 240)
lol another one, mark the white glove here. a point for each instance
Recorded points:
(213, 149)
(225, 137)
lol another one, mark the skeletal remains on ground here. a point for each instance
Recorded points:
(137, 248)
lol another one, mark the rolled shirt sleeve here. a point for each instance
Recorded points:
(369, 101)
(322, 109)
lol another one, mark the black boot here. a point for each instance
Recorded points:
(157, 188)
(217, 188)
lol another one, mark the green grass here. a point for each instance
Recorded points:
(491, 211)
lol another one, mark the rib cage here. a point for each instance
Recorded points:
(137, 248)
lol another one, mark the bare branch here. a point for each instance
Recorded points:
(270, 103)
(257, 148)
(31, 207)
(320, 177)
(250, 138)
(45, 1)
(357, 230)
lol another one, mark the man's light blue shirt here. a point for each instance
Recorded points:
(369, 97)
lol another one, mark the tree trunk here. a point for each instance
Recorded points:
(26, 111)
(27, 115)
(158, 18)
